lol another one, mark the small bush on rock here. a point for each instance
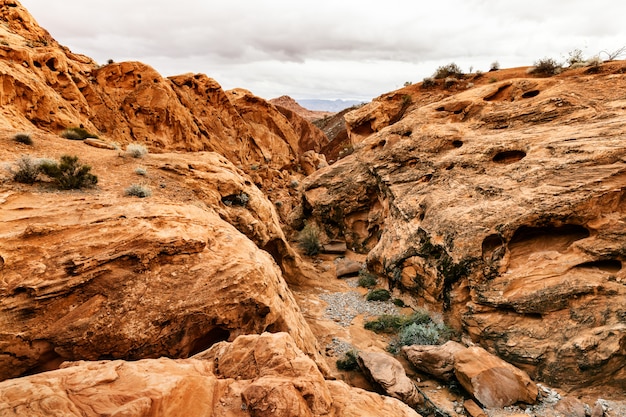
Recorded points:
(378, 295)
(23, 138)
(546, 67)
(348, 362)
(138, 190)
(136, 151)
(27, 171)
(450, 70)
(77, 133)
(309, 239)
(366, 279)
(68, 173)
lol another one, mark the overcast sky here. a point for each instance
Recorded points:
(330, 48)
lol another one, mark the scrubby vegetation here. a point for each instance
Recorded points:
(27, 170)
(77, 133)
(348, 362)
(141, 171)
(138, 190)
(23, 138)
(428, 82)
(450, 70)
(378, 295)
(545, 67)
(366, 279)
(309, 239)
(136, 150)
(417, 329)
(68, 173)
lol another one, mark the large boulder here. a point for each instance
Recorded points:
(437, 360)
(264, 375)
(492, 381)
(387, 372)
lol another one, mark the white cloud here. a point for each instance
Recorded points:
(335, 49)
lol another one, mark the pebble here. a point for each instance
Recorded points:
(343, 307)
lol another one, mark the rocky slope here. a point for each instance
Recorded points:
(500, 203)
(288, 103)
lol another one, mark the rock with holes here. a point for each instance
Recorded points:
(387, 372)
(492, 381)
(258, 375)
(502, 205)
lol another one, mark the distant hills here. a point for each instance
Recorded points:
(328, 105)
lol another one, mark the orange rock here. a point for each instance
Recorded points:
(492, 381)
(437, 361)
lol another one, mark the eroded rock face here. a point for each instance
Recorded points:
(503, 207)
(255, 375)
(491, 380)
(95, 274)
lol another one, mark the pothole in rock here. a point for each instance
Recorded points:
(509, 157)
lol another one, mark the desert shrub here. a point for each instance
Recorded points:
(431, 333)
(366, 279)
(450, 70)
(575, 57)
(545, 67)
(309, 239)
(449, 82)
(348, 362)
(23, 138)
(27, 171)
(77, 133)
(138, 190)
(136, 150)
(398, 302)
(428, 82)
(387, 323)
(495, 66)
(68, 173)
(141, 171)
(378, 295)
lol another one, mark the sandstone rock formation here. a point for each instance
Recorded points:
(491, 380)
(388, 373)
(255, 375)
(501, 205)
(286, 104)
(437, 360)
(93, 275)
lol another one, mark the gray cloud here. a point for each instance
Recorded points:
(334, 49)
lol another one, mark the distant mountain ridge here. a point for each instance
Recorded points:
(328, 105)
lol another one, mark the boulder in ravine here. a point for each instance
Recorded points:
(260, 375)
(436, 360)
(501, 206)
(492, 381)
(388, 373)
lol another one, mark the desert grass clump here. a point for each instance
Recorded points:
(77, 133)
(348, 362)
(136, 150)
(141, 171)
(545, 67)
(309, 239)
(450, 70)
(23, 138)
(378, 295)
(138, 190)
(27, 170)
(367, 279)
(68, 173)
(429, 82)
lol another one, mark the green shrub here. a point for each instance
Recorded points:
(495, 66)
(378, 295)
(366, 279)
(387, 323)
(23, 138)
(348, 362)
(398, 302)
(421, 334)
(545, 67)
(27, 170)
(309, 239)
(77, 133)
(428, 82)
(68, 174)
(450, 70)
(136, 150)
(138, 190)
